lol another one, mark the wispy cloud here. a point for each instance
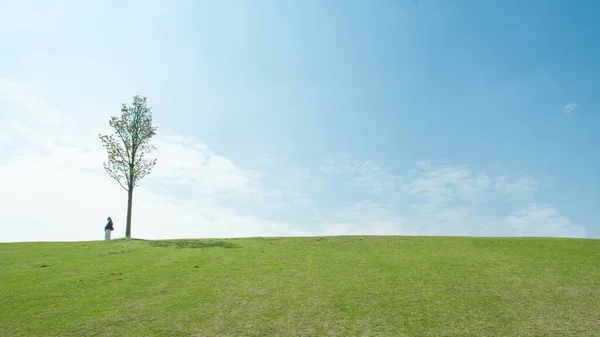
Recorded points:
(190, 165)
(56, 171)
(195, 192)
(371, 176)
(449, 199)
(53, 107)
(536, 218)
(569, 108)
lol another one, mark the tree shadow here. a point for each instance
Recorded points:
(193, 244)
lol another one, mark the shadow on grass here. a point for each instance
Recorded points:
(193, 244)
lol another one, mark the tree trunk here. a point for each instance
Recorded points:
(129, 204)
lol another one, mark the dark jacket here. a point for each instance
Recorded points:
(109, 225)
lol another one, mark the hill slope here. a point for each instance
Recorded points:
(333, 286)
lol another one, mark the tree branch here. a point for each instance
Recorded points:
(128, 145)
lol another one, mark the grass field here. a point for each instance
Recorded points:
(332, 286)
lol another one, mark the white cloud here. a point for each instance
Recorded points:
(542, 218)
(187, 163)
(369, 176)
(569, 108)
(367, 217)
(376, 177)
(520, 189)
(65, 83)
(55, 189)
(451, 200)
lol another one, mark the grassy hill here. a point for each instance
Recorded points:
(332, 286)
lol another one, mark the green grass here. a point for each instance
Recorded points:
(333, 286)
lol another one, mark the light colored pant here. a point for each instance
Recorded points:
(107, 234)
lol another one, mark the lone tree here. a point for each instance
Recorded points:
(127, 148)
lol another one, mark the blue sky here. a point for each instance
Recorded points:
(307, 117)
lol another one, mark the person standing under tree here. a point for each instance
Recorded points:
(108, 228)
